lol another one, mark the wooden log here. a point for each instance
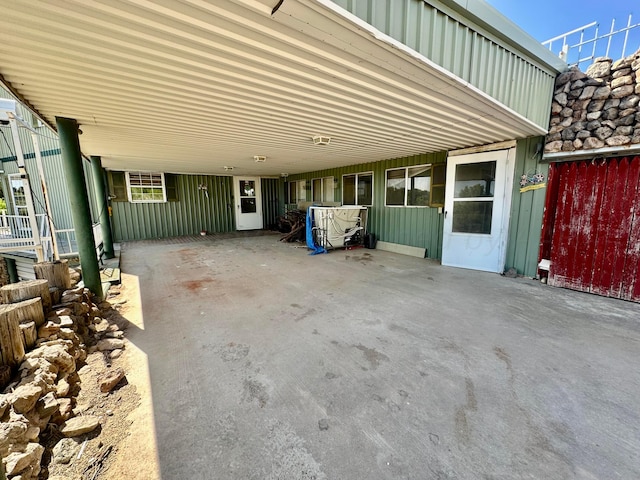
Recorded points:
(56, 295)
(11, 339)
(29, 334)
(26, 290)
(5, 378)
(27, 311)
(56, 273)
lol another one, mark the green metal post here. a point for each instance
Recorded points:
(103, 206)
(79, 201)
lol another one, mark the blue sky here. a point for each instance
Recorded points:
(544, 19)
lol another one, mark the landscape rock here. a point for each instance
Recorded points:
(24, 398)
(592, 143)
(56, 354)
(617, 141)
(110, 379)
(62, 387)
(115, 353)
(600, 68)
(65, 450)
(598, 108)
(110, 344)
(16, 462)
(77, 426)
(47, 405)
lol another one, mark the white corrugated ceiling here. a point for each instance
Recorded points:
(196, 85)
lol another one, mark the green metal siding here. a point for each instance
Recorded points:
(271, 200)
(58, 195)
(193, 211)
(413, 226)
(485, 62)
(526, 210)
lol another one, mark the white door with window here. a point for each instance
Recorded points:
(248, 203)
(477, 204)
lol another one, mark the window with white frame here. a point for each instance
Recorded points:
(146, 187)
(297, 191)
(18, 194)
(357, 189)
(408, 186)
(322, 189)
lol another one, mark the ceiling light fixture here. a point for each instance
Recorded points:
(227, 168)
(321, 140)
(260, 158)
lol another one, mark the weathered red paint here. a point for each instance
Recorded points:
(591, 227)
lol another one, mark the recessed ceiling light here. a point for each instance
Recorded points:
(260, 158)
(227, 168)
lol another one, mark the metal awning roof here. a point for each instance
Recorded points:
(196, 85)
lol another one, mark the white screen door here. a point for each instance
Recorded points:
(477, 203)
(248, 203)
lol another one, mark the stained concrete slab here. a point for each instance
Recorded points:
(268, 363)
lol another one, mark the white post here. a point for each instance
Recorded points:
(31, 212)
(52, 230)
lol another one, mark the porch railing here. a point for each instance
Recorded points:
(16, 233)
(16, 236)
(581, 46)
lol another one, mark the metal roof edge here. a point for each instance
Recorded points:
(588, 154)
(453, 80)
(478, 13)
(6, 85)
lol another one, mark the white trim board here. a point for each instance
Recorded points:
(402, 249)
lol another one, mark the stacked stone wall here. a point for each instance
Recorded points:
(598, 108)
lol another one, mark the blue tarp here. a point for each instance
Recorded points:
(316, 249)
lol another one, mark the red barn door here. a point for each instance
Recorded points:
(591, 228)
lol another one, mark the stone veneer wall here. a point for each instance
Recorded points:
(596, 109)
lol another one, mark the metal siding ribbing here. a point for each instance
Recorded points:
(417, 227)
(526, 211)
(499, 72)
(270, 188)
(193, 211)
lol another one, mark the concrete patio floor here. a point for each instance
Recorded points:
(268, 363)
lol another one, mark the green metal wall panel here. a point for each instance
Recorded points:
(271, 200)
(486, 63)
(526, 210)
(194, 211)
(413, 226)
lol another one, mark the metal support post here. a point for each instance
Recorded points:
(79, 200)
(103, 206)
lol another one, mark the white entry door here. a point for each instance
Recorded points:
(248, 203)
(476, 209)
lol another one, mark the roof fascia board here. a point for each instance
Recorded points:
(482, 17)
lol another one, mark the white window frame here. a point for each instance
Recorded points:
(301, 191)
(17, 209)
(129, 186)
(370, 174)
(323, 194)
(406, 185)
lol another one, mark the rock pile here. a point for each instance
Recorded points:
(598, 108)
(42, 394)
